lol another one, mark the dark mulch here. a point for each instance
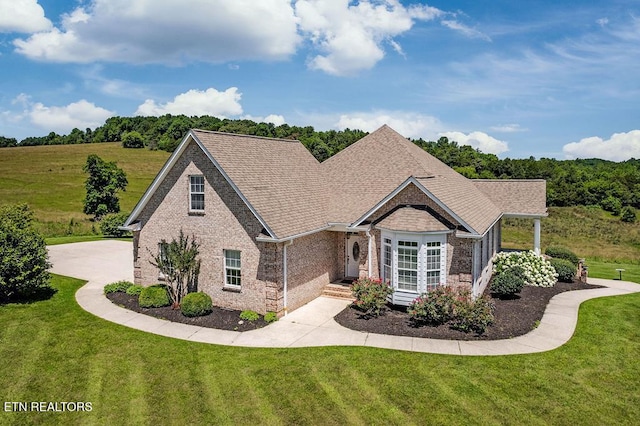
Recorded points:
(223, 319)
(513, 317)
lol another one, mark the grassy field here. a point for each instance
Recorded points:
(54, 351)
(50, 179)
(589, 232)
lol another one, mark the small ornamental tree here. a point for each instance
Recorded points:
(179, 264)
(23, 256)
(104, 181)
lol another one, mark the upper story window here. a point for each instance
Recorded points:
(196, 193)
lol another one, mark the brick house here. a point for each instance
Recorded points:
(275, 226)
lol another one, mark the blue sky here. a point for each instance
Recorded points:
(516, 78)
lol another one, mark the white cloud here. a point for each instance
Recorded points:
(478, 140)
(62, 119)
(351, 37)
(467, 31)
(619, 147)
(408, 124)
(23, 16)
(168, 32)
(509, 128)
(197, 102)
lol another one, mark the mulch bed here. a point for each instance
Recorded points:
(223, 319)
(513, 317)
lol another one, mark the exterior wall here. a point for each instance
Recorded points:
(459, 251)
(226, 223)
(313, 262)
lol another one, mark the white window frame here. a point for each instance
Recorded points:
(387, 259)
(232, 271)
(412, 248)
(162, 252)
(425, 244)
(197, 189)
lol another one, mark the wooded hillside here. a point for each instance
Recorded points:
(611, 185)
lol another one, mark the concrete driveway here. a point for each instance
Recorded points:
(103, 262)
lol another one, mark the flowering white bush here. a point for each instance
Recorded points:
(537, 270)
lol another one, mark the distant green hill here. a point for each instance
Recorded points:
(50, 179)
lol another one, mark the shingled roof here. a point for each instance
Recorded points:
(292, 194)
(278, 177)
(366, 172)
(516, 197)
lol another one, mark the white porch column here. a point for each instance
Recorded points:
(536, 235)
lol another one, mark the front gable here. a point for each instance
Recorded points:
(191, 148)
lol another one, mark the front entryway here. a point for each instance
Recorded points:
(353, 256)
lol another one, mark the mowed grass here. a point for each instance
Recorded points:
(588, 231)
(51, 181)
(54, 351)
(608, 270)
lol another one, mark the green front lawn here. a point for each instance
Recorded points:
(55, 351)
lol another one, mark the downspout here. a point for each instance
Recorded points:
(284, 273)
(369, 236)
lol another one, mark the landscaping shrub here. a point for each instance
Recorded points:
(472, 315)
(562, 253)
(455, 306)
(371, 295)
(508, 282)
(434, 307)
(117, 287)
(566, 270)
(134, 290)
(110, 223)
(249, 316)
(155, 296)
(537, 270)
(23, 256)
(270, 317)
(196, 304)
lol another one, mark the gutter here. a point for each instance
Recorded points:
(284, 274)
(369, 263)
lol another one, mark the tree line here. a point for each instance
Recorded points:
(608, 184)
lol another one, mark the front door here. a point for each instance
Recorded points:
(353, 256)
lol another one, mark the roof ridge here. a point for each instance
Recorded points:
(215, 132)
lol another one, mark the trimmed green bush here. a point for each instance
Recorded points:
(454, 306)
(155, 296)
(434, 307)
(196, 304)
(371, 295)
(562, 253)
(508, 282)
(110, 223)
(249, 316)
(472, 315)
(270, 317)
(566, 270)
(134, 290)
(117, 287)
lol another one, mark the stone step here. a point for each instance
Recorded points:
(338, 291)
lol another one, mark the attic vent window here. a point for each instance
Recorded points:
(196, 193)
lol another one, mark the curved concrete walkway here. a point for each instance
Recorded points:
(102, 262)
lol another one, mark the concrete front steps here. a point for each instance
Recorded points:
(338, 291)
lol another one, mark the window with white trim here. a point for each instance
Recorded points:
(408, 265)
(232, 268)
(162, 254)
(387, 259)
(433, 264)
(196, 193)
